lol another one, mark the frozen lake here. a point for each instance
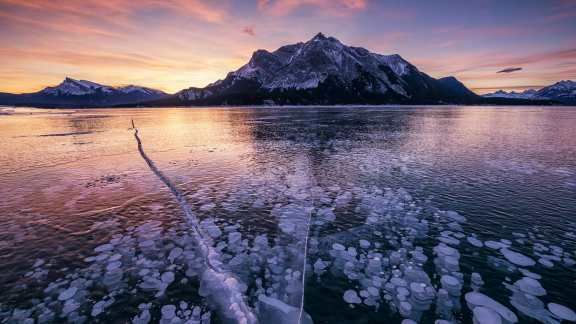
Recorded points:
(421, 213)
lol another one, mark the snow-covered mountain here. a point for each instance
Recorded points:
(563, 92)
(527, 94)
(82, 93)
(325, 71)
(71, 87)
(140, 90)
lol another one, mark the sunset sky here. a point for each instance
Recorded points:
(175, 44)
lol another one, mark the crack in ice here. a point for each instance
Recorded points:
(223, 284)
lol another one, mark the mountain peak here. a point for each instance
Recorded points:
(319, 36)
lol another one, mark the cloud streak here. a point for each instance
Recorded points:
(510, 70)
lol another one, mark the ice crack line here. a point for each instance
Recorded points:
(301, 311)
(224, 286)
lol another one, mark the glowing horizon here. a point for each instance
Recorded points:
(171, 45)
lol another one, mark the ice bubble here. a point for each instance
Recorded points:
(373, 291)
(115, 257)
(403, 291)
(474, 241)
(530, 274)
(562, 312)
(449, 240)
(326, 214)
(338, 247)
(174, 254)
(168, 312)
(38, 263)
(272, 310)
(405, 309)
(67, 294)
(495, 245)
(444, 250)
(364, 244)
(207, 207)
(234, 238)
(451, 284)
(351, 297)
(517, 258)
(113, 265)
(546, 262)
(418, 291)
(485, 315)
(530, 286)
(475, 299)
(98, 308)
(212, 229)
(476, 281)
(455, 216)
(319, 266)
(104, 248)
(69, 306)
(569, 262)
(167, 277)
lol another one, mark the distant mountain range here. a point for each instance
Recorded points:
(563, 92)
(82, 93)
(321, 71)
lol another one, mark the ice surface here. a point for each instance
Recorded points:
(380, 259)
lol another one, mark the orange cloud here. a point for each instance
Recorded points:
(115, 9)
(88, 59)
(333, 7)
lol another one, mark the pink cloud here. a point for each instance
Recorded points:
(332, 7)
(249, 31)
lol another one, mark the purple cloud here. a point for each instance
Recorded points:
(510, 70)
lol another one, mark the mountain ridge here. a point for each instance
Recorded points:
(82, 93)
(562, 91)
